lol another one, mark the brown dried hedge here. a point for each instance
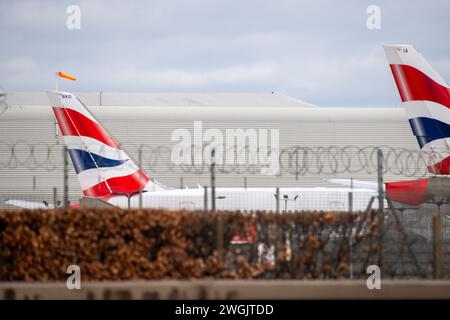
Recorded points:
(116, 244)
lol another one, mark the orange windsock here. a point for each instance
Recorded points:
(64, 75)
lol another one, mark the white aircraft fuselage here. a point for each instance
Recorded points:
(252, 199)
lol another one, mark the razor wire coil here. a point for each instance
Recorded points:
(293, 160)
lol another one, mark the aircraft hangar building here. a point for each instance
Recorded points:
(313, 143)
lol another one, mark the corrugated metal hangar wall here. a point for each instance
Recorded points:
(31, 154)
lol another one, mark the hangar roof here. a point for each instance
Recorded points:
(271, 99)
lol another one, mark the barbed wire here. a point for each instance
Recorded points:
(293, 160)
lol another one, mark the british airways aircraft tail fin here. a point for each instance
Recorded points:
(426, 98)
(103, 168)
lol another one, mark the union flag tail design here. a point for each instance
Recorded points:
(104, 170)
(426, 98)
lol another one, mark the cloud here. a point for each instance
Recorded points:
(318, 51)
(179, 78)
(227, 75)
(17, 69)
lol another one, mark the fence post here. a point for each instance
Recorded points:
(277, 196)
(350, 237)
(205, 199)
(66, 178)
(380, 205)
(181, 182)
(219, 235)
(350, 197)
(140, 167)
(213, 180)
(55, 198)
(437, 245)
(245, 182)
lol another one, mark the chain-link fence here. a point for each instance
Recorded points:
(407, 241)
(35, 168)
(117, 244)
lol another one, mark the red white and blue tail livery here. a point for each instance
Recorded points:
(104, 170)
(426, 98)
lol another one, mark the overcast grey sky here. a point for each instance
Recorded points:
(318, 51)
